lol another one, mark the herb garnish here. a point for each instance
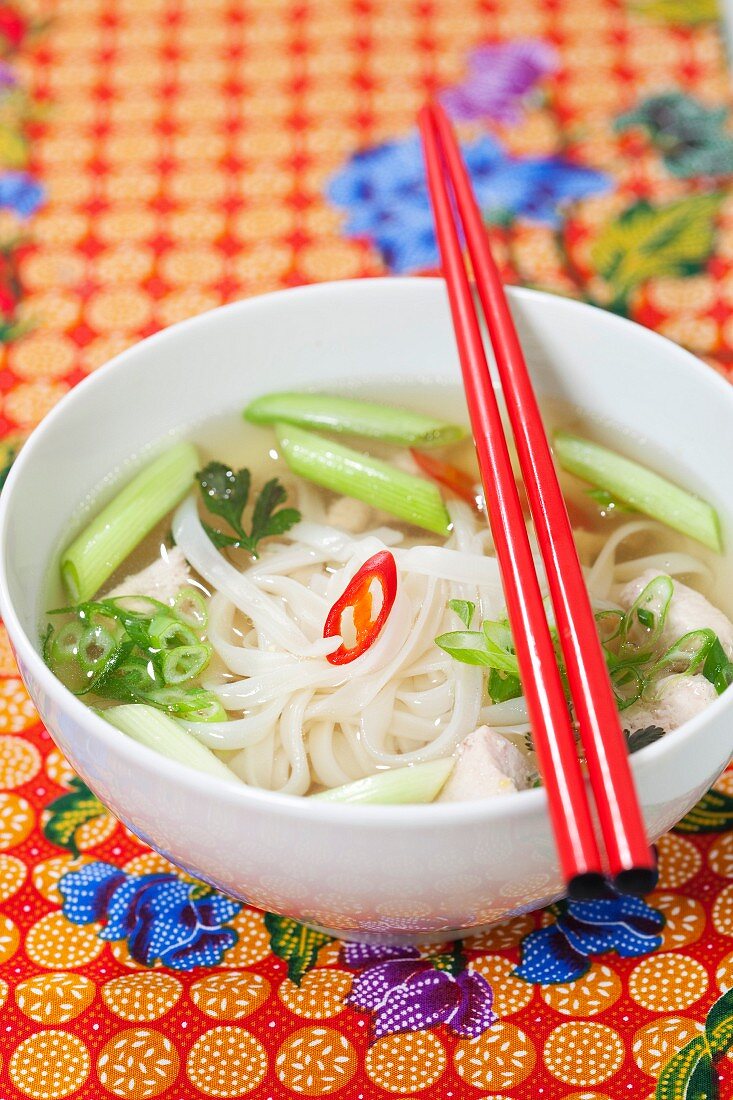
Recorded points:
(639, 739)
(226, 493)
(134, 649)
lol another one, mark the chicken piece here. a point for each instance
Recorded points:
(675, 700)
(688, 610)
(162, 580)
(487, 764)
(349, 515)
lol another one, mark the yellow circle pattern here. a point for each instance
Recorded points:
(587, 996)
(667, 982)
(141, 998)
(407, 1062)
(19, 762)
(226, 1061)
(654, 1044)
(16, 820)
(17, 712)
(138, 1062)
(230, 996)
(583, 1053)
(720, 856)
(501, 1058)
(510, 994)
(9, 939)
(54, 998)
(684, 917)
(12, 876)
(55, 943)
(320, 995)
(679, 860)
(49, 1065)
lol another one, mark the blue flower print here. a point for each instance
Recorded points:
(383, 192)
(160, 916)
(583, 929)
(20, 192)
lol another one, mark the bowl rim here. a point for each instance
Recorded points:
(458, 814)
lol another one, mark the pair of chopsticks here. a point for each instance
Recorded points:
(629, 860)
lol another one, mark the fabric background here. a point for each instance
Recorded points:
(160, 157)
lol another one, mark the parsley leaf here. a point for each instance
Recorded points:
(225, 493)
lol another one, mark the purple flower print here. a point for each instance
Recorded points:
(499, 78)
(8, 78)
(407, 992)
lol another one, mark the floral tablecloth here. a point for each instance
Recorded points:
(159, 157)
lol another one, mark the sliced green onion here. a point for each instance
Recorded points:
(640, 488)
(184, 662)
(415, 783)
(169, 633)
(95, 648)
(608, 624)
(95, 554)
(66, 641)
(192, 703)
(164, 735)
(190, 607)
(687, 653)
(353, 417)
(643, 623)
(718, 668)
(627, 683)
(410, 498)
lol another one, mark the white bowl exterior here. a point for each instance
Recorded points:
(379, 872)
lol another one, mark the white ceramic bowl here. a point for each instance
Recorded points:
(370, 872)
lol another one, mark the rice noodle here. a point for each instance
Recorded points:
(295, 719)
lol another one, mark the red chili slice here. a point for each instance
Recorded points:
(458, 481)
(357, 596)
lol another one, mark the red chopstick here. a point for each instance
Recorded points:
(580, 859)
(631, 862)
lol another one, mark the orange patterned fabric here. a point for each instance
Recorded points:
(160, 157)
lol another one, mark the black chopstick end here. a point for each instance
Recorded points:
(637, 880)
(589, 886)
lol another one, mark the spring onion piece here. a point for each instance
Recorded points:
(718, 668)
(687, 654)
(368, 479)
(416, 783)
(643, 624)
(640, 488)
(353, 417)
(157, 731)
(115, 532)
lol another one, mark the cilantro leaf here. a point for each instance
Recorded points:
(225, 493)
(265, 520)
(639, 739)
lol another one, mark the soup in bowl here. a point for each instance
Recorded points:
(248, 576)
